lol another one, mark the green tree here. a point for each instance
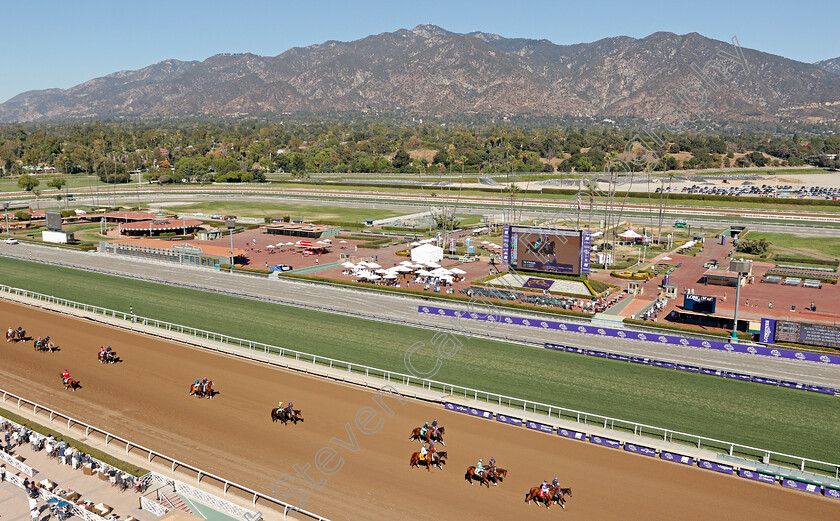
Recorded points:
(57, 183)
(28, 182)
(401, 159)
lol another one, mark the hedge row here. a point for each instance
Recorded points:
(804, 260)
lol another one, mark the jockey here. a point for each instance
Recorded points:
(424, 429)
(38, 341)
(47, 340)
(197, 381)
(492, 464)
(479, 468)
(544, 488)
(102, 352)
(434, 427)
(555, 483)
(280, 405)
(65, 375)
(423, 452)
(289, 407)
(432, 451)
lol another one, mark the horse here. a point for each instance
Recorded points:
(496, 475)
(417, 459)
(11, 335)
(557, 496)
(109, 357)
(20, 334)
(276, 414)
(440, 461)
(71, 384)
(471, 475)
(207, 389)
(195, 390)
(429, 436)
(293, 416)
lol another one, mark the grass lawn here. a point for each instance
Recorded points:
(789, 421)
(808, 245)
(307, 212)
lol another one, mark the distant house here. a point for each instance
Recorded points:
(164, 152)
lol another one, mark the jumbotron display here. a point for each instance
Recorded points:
(548, 250)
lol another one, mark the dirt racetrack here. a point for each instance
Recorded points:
(144, 398)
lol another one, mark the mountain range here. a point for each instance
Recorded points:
(430, 71)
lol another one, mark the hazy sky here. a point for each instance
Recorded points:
(63, 43)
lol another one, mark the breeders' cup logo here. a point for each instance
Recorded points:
(748, 474)
(596, 439)
(662, 339)
(564, 432)
(630, 446)
(601, 332)
(728, 347)
(706, 344)
(425, 310)
(563, 327)
(509, 320)
(825, 358)
(582, 329)
(751, 350)
(474, 316)
(775, 352)
(441, 312)
(684, 341)
(544, 324)
(707, 465)
(621, 334)
(831, 492)
(668, 455)
(799, 356)
(526, 322)
(641, 336)
(491, 318)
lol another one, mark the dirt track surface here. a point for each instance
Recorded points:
(145, 400)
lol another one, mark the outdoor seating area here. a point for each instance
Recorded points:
(66, 491)
(430, 275)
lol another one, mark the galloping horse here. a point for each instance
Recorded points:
(202, 390)
(16, 335)
(107, 357)
(471, 475)
(70, 384)
(417, 459)
(496, 475)
(21, 334)
(557, 496)
(11, 334)
(429, 436)
(440, 461)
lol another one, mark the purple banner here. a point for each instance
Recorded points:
(607, 442)
(763, 380)
(713, 372)
(572, 434)
(636, 335)
(556, 347)
(717, 467)
(457, 408)
(539, 427)
(792, 385)
(660, 363)
(758, 476)
(616, 356)
(585, 251)
(831, 492)
(638, 449)
(571, 349)
(768, 331)
(592, 352)
(690, 368)
(508, 419)
(738, 376)
(801, 485)
(676, 458)
(819, 389)
(506, 245)
(482, 414)
(640, 360)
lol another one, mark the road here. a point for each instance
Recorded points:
(388, 307)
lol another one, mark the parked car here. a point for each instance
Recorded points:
(11, 240)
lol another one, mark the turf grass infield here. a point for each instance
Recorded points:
(783, 420)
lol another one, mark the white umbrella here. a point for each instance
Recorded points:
(390, 276)
(402, 269)
(380, 270)
(374, 277)
(342, 242)
(280, 244)
(433, 265)
(373, 265)
(290, 243)
(440, 271)
(328, 240)
(415, 243)
(423, 273)
(270, 246)
(458, 271)
(348, 264)
(406, 263)
(665, 258)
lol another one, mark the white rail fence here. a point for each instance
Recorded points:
(224, 506)
(152, 506)
(77, 510)
(175, 465)
(19, 465)
(554, 411)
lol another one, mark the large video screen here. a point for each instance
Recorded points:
(549, 250)
(827, 335)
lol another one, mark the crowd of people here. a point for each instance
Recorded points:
(653, 312)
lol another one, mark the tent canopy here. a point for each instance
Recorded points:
(629, 234)
(427, 253)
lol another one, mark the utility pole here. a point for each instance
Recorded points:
(6, 211)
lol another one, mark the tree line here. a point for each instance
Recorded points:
(219, 151)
